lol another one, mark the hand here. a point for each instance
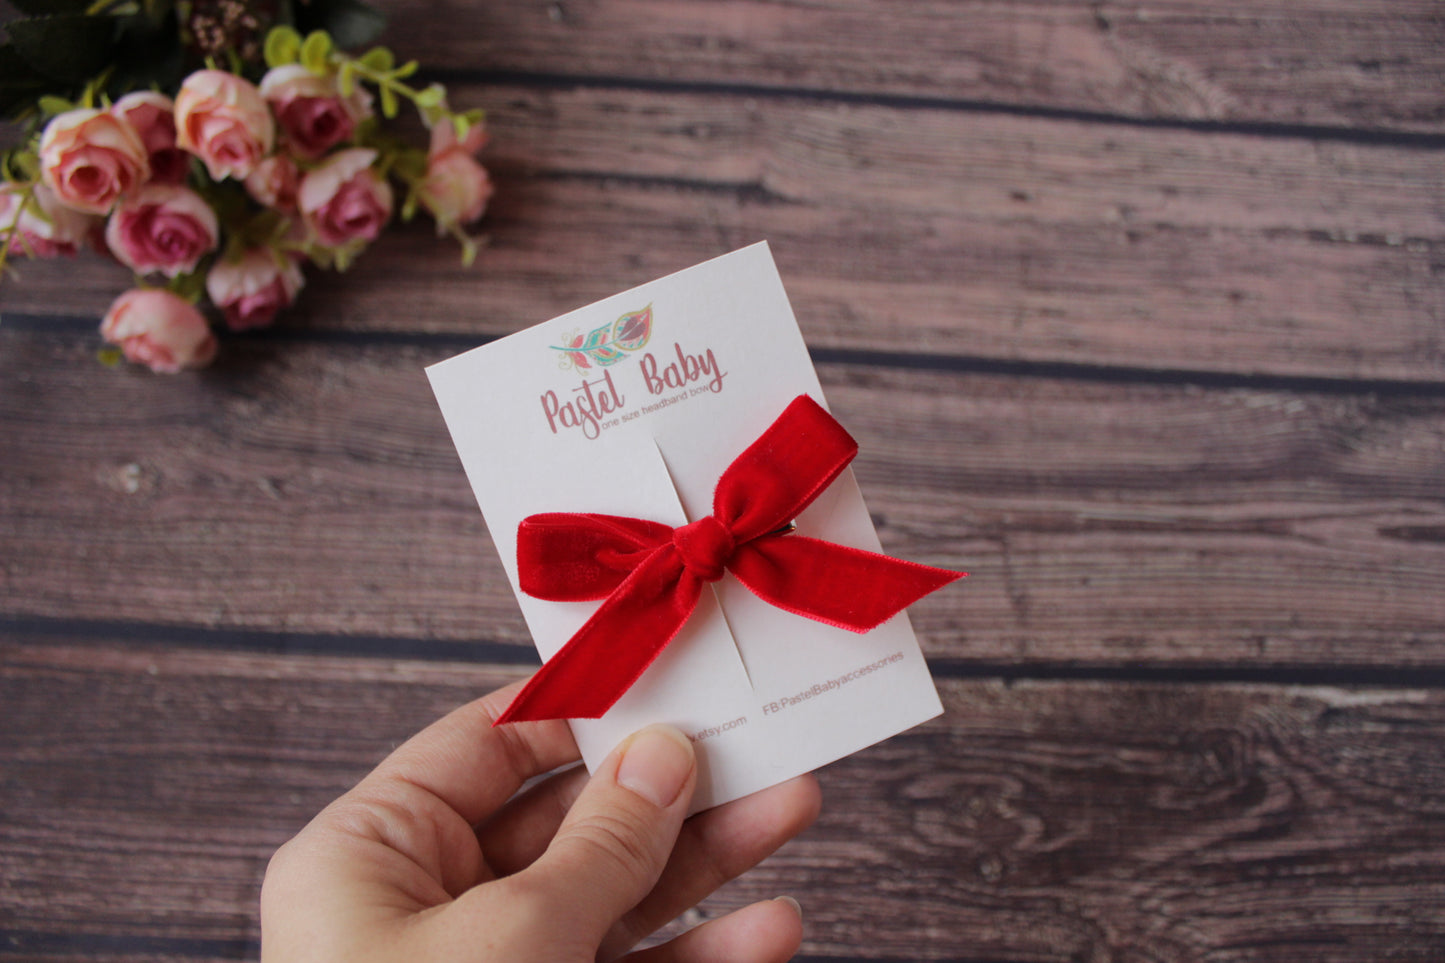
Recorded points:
(433, 858)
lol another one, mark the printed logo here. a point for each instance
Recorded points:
(598, 402)
(608, 344)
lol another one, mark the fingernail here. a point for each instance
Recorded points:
(656, 764)
(797, 907)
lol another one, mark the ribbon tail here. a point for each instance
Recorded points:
(840, 586)
(571, 557)
(615, 646)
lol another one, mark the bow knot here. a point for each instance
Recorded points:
(705, 546)
(638, 567)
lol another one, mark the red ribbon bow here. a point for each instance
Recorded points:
(652, 575)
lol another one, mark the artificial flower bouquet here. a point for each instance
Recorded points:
(233, 151)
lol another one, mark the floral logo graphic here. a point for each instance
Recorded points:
(608, 344)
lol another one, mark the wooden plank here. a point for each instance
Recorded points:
(1040, 821)
(144, 791)
(1325, 62)
(312, 488)
(991, 236)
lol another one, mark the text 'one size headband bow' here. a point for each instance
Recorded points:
(651, 575)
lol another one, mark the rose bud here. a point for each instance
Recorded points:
(252, 289)
(310, 110)
(223, 120)
(162, 228)
(152, 116)
(90, 158)
(41, 226)
(159, 330)
(344, 200)
(456, 189)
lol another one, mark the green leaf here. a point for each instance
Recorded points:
(22, 165)
(389, 105)
(54, 106)
(378, 59)
(469, 251)
(283, 46)
(405, 70)
(346, 79)
(69, 48)
(410, 164)
(190, 286)
(315, 51)
(430, 97)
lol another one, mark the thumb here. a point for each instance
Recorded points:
(609, 851)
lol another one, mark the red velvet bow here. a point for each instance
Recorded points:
(652, 575)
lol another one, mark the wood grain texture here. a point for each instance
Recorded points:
(987, 236)
(1320, 62)
(1138, 312)
(312, 488)
(1039, 821)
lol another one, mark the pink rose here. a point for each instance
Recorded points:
(223, 120)
(152, 116)
(159, 330)
(250, 291)
(41, 226)
(456, 188)
(313, 115)
(89, 158)
(344, 200)
(162, 228)
(274, 183)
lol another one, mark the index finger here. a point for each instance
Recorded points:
(471, 766)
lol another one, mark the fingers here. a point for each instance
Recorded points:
(712, 848)
(715, 847)
(472, 767)
(413, 815)
(522, 829)
(767, 932)
(613, 844)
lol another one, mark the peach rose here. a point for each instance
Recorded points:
(274, 182)
(310, 110)
(344, 201)
(223, 120)
(162, 228)
(250, 291)
(90, 158)
(159, 330)
(152, 116)
(456, 189)
(41, 226)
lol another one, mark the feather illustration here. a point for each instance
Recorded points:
(608, 344)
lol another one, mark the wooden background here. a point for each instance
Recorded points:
(1138, 312)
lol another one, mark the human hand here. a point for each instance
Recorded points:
(430, 858)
